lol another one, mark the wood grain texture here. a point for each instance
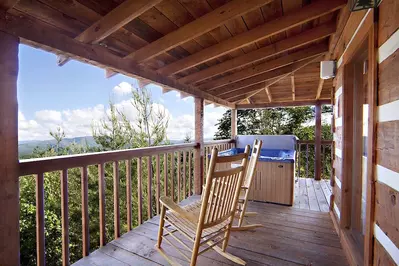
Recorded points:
(387, 145)
(387, 211)
(9, 188)
(388, 79)
(264, 31)
(196, 28)
(116, 19)
(381, 257)
(388, 21)
(199, 151)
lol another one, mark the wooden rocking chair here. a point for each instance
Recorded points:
(206, 222)
(248, 181)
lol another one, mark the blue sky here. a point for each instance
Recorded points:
(51, 96)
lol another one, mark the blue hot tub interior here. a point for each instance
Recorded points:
(266, 155)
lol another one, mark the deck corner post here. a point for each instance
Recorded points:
(9, 168)
(233, 123)
(199, 150)
(317, 147)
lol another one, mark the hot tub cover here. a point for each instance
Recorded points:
(266, 155)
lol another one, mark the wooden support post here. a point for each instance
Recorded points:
(233, 123)
(317, 145)
(9, 183)
(199, 150)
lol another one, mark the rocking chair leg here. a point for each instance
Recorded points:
(196, 246)
(161, 225)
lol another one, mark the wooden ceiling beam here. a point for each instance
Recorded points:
(242, 93)
(281, 104)
(110, 73)
(293, 86)
(116, 19)
(113, 21)
(296, 41)
(292, 19)
(242, 84)
(46, 37)
(265, 67)
(204, 24)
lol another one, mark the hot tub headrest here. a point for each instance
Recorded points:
(284, 142)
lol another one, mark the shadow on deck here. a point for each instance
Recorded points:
(291, 236)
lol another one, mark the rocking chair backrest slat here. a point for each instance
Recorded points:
(250, 172)
(222, 189)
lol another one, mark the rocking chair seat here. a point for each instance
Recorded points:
(189, 227)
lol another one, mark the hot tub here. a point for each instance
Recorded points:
(274, 178)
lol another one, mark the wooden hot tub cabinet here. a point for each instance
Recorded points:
(273, 182)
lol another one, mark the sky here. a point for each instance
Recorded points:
(77, 95)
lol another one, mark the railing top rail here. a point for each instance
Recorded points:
(313, 141)
(49, 164)
(222, 141)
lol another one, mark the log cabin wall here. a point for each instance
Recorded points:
(383, 181)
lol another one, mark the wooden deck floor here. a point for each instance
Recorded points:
(290, 236)
(312, 195)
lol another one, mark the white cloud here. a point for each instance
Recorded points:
(79, 122)
(123, 88)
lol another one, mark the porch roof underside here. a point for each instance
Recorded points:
(239, 54)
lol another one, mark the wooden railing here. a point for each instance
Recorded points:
(305, 159)
(171, 166)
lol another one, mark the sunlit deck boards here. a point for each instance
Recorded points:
(312, 195)
(290, 237)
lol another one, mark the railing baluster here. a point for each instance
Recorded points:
(117, 231)
(307, 160)
(158, 183)
(85, 211)
(184, 174)
(172, 175)
(178, 176)
(189, 172)
(323, 159)
(299, 159)
(149, 187)
(101, 195)
(40, 240)
(139, 191)
(64, 217)
(165, 174)
(129, 194)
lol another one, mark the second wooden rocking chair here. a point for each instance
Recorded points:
(245, 190)
(206, 222)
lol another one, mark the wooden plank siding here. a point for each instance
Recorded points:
(382, 197)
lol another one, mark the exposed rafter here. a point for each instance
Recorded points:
(269, 94)
(261, 78)
(196, 28)
(296, 41)
(113, 21)
(281, 104)
(265, 67)
(42, 35)
(109, 73)
(292, 19)
(243, 93)
(293, 86)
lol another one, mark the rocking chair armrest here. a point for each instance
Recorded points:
(171, 205)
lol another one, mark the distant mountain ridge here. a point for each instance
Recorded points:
(26, 147)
